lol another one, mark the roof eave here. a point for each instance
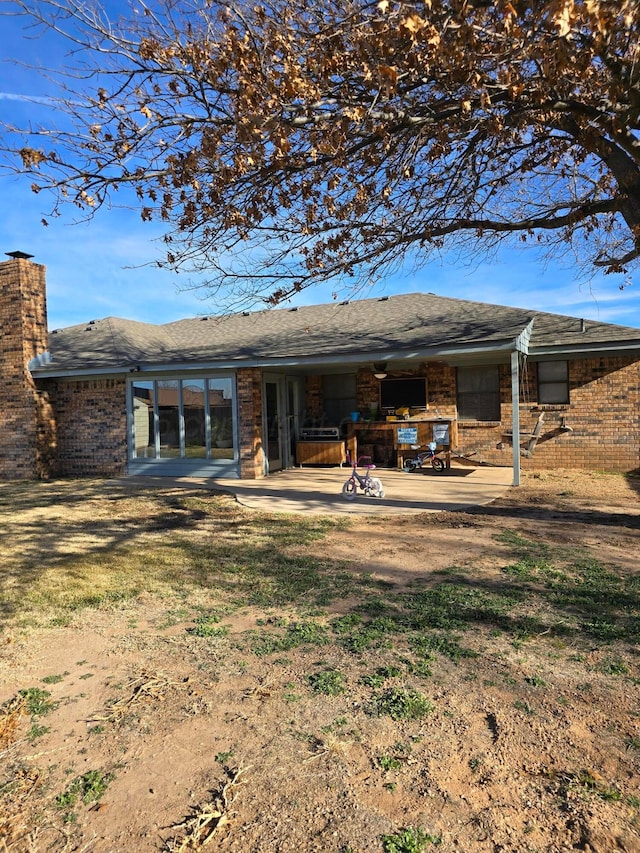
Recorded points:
(85, 373)
(440, 353)
(600, 350)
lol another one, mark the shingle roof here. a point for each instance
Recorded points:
(396, 325)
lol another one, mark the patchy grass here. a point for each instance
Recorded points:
(410, 840)
(305, 633)
(401, 704)
(87, 788)
(385, 689)
(152, 547)
(37, 702)
(208, 625)
(330, 682)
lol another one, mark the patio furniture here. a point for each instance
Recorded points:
(324, 446)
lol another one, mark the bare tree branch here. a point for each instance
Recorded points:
(284, 144)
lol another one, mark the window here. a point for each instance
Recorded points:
(168, 396)
(183, 418)
(221, 418)
(195, 422)
(553, 382)
(478, 393)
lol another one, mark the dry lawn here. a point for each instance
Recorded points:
(178, 673)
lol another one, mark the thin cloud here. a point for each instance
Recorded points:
(29, 99)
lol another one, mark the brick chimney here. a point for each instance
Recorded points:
(23, 335)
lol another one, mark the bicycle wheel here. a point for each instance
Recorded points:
(437, 464)
(350, 489)
(375, 488)
(410, 465)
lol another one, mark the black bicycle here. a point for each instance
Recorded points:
(424, 457)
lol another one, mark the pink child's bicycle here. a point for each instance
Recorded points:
(371, 486)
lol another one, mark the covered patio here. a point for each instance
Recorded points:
(319, 490)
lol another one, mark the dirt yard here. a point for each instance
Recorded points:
(178, 673)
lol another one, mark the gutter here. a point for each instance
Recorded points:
(43, 366)
(595, 349)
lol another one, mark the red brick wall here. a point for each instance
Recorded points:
(23, 335)
(47, 435)
(441, 388)
(249, 396)
(91, 426)
(367, 390)
(314, 398)
(603, 415)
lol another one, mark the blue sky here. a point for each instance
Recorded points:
(97, 269)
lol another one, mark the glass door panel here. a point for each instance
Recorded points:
(144, 444)
(195, 433)
(294, 418)
(169, 418)
(221, 418)
(273, 439)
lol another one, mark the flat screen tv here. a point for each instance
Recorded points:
(395, 393)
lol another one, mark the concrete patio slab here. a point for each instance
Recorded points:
(319, 490)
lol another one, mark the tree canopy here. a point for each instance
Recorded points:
(285, 143)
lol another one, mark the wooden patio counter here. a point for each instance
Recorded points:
(386, 432)
(325, 452)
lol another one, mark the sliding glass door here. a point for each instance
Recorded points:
(187, 419)
(273, 423)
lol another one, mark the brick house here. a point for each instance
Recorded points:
(249, 393)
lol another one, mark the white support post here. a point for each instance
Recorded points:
(515, 421)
